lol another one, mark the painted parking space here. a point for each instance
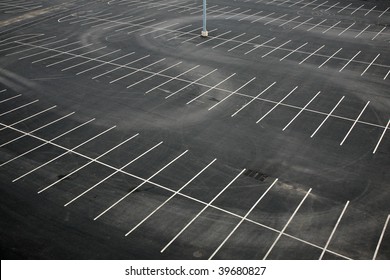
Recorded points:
(200, 153)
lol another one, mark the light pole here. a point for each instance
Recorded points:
(204, 33)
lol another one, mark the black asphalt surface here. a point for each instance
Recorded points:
(125, 135)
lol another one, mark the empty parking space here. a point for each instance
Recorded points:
(266, 140)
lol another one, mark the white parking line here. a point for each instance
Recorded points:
(88, 163)
(386, 75)
(136, 71)
(31, 48)
(104, 63)
(379, 33)
(277, 104)
(243, 43)
(227, 12)
(171, 79)
(201, 211)
(346, 29)
(140, 185)
(117, 23)
(17, 108)
(25, 50)
(333, 231)
(238, 14)
(295, 3)
(353, 125)
(86, 19)
(109, 22)
(170, 190)
(301, 111)
(217, 11)
(290, 20)
(285, 227)
(260, 18)
(363, 31)
(232, 93)
(384, 12)
(158, 29)
(76, 56)
(58, 54)
(168, 199)
(229, 40)
(89, 60)
(280, 4)
(114, 173)
(193, 82)
(320, 5)
(184, 33)
(317, 25)
(290, 53)
(370, 10)
(258, 46)
(249, 16)
(140, 24)
(329, 58)
(253, 99)
(10, 98)
(211, 88)
(36, 129)
(142, 28)
(334, 5)
(43, 144)
(242, 220)
(369, 65)
(349, 61)
(302, 23)
(63, 154)
(213, 38)
(307, 4)
(381, 238)
(119, 67)
(48, 50)
(380, 139)
(275, 19)
(330, 113)
(344, 8)
(197, 36)
(334, 25)
(30, 117)
(357, 9)
(153, 75)
(173, 31)
(271, 51)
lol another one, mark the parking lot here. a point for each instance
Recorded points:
(126, 135)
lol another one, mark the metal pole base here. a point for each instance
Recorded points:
(204, 34)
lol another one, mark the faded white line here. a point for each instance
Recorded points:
(171, 197)
(284, 228)
(140, 185)
(307, 104)
(242, 220)
(277, 104)
(63, 154)
(88, 163)
(211, 88)
(232, 93)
